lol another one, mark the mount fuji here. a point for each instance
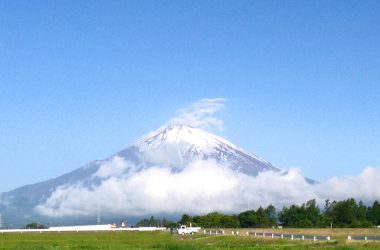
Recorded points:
(172, 149)
(177, 146)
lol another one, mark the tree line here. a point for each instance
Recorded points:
(346, 213)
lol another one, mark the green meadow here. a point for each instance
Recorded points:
(163, 240)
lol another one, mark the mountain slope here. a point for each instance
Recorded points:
(174, 148)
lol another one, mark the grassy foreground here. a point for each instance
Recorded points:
(160, 240)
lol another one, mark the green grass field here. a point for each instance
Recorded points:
(161, 240)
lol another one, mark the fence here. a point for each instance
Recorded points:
(89, 228)
(290, 236)
(365, 238)
(216, 232)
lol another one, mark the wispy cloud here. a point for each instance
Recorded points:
(200, 114)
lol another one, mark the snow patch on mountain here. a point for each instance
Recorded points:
(179, 145)
(197, 141)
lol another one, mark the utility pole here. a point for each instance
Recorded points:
(98, 219)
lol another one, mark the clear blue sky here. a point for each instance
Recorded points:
(81, 80)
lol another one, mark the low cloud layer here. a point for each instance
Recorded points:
(198, 187)
(202, 187)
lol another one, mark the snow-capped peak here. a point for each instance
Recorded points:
(179, 134)
(193, 142)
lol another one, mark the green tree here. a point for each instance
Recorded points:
(272, 215)
(248, 219)
(312, 212)
(214, 219)
(186, 220)
(230, 221)
(209, 220)
(35, 225)
(307, 215)
(374, 213)
(361, 216)
(168, 223)
(152, 221)
(289, 216)
(261, 218)
(330, 213)
(344, 213)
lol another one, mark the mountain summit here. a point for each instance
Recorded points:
(184, 144)
(173, 148)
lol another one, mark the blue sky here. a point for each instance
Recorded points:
(82, 80)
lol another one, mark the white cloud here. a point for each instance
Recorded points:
(115, 167)
(200, 114)
(364, 186)
(202, 187)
